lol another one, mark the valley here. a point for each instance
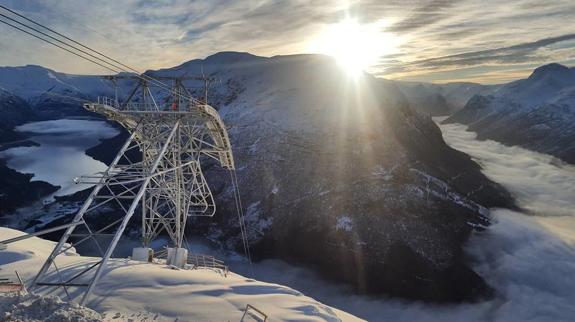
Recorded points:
(373, 160)
(412, 199)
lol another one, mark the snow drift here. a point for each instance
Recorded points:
(130, 289)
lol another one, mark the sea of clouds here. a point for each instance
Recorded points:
(528, 257)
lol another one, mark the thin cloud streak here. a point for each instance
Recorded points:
(438, 36)
(511, 55)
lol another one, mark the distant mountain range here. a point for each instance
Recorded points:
(537, 112)
(344, 176)
(441, 99)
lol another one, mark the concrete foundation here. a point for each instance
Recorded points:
(143, 254)
(177, 257)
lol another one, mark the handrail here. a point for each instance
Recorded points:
(136, 106)
(213, 122)
(199, 260)
(249, 306)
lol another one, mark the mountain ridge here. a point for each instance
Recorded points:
(315, 149)
(537, 112)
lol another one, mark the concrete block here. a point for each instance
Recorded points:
(177, 257)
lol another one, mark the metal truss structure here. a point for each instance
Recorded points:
(156, 172)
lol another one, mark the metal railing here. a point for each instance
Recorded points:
(260, 315)
(108, 101)
(136, 106)
(7, 286)
(198, 261)
(128, 107)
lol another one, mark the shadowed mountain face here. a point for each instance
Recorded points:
(441, 99)
(342, 175)
(16, 189)
(537, 112)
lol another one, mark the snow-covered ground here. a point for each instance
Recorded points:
(36, 308)
(146, 292)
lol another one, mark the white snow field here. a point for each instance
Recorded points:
(136, 291)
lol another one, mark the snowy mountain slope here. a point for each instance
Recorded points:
(137, 291)
(16, 189)
(54, 95)
(40, 85)
(32, 81)
(14, 111)
(315, 149)
(441, 99)
(537, 112)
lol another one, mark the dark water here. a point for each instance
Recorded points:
(60, 157)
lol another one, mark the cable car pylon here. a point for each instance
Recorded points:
(156, 172)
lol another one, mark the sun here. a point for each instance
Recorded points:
(355, 46)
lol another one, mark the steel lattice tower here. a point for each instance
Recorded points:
(164, 181)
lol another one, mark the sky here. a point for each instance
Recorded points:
(487, 41)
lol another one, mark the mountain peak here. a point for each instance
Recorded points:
(231, 57)
(553, 69)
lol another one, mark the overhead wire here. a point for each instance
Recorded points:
(60, 41)
(68, 38)
(241, 218)
(115, 66)
(54, 44)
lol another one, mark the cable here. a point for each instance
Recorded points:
(116, 67)
(60, 41)
(241, 219)
(54, 44)
(140, 75)
(64, 96)
(68, 38)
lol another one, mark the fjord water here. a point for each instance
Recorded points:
(60, 156)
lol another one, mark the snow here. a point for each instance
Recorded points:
(256, 221)
(548, 91)
(344, 223)
(31, 81)
(138, 291)
(35, 308)
(275, 189)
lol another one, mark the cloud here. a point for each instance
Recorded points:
(511, 55)
(527, 257)
(541, 184)
(423, 15)
(436, 36)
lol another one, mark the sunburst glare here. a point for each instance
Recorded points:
(355, 46)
